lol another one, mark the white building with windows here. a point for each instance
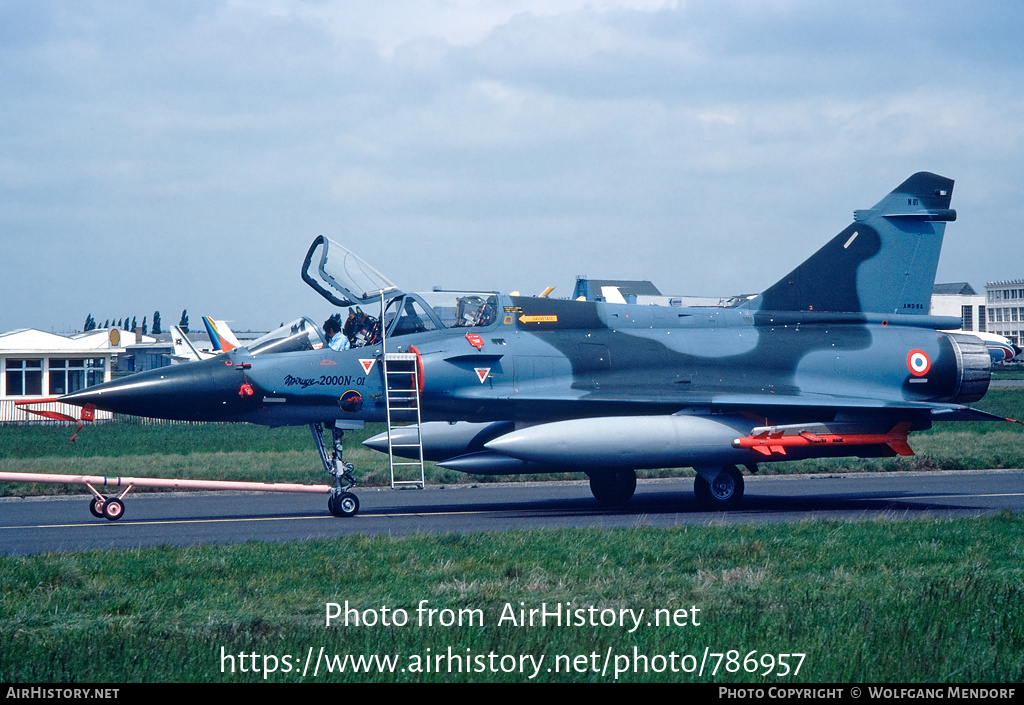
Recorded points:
(1004, 301)
(959, 299)
(39, 365)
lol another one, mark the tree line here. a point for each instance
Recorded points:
(123, 323)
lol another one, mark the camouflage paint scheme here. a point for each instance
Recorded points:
(826, 362)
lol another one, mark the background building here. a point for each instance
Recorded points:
(961, 300)
(1004, 301)
(35, 364)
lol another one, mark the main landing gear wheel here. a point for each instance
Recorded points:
(722, 493)
(345, 504)
(613, 488)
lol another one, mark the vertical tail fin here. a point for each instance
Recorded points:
(884, 262)
(217, 340)
(183, 347)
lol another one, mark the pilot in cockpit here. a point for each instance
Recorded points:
(332, 331)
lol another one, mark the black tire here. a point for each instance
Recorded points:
(723, 493)
(96, 507)
(345, 504)
(702, 491)
(113, 509)
(613, 488)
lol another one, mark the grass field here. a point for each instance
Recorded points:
(879, 601)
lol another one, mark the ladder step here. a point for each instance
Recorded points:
(402, 394)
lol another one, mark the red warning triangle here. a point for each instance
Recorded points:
(367, 364)
(482, 373)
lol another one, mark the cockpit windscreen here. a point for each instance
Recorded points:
(417, 313)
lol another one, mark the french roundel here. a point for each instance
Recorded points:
(918, 363)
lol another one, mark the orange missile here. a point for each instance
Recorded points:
(769, 443)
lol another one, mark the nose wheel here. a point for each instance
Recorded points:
(343, 504)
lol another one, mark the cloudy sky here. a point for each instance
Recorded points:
(182, 155)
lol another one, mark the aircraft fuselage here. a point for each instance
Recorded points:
(550, 359)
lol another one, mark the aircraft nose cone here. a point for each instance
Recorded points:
(194, 391)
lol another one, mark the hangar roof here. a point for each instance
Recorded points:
(31, 340)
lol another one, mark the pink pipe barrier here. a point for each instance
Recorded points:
(99, 480)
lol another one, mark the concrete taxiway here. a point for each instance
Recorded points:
(35, 525)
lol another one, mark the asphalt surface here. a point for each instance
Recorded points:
(35, 525)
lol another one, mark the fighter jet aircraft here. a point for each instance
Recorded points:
(838, 358)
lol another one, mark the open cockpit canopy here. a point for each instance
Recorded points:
(345, 279)
(342, 277)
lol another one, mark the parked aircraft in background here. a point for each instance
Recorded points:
(1001, 349)
(838, 358)
(221, 337)
(221, 340)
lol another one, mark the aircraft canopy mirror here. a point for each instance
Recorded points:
(342, 277)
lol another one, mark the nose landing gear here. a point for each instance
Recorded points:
(341, 502)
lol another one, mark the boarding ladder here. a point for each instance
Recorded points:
(402, 401)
